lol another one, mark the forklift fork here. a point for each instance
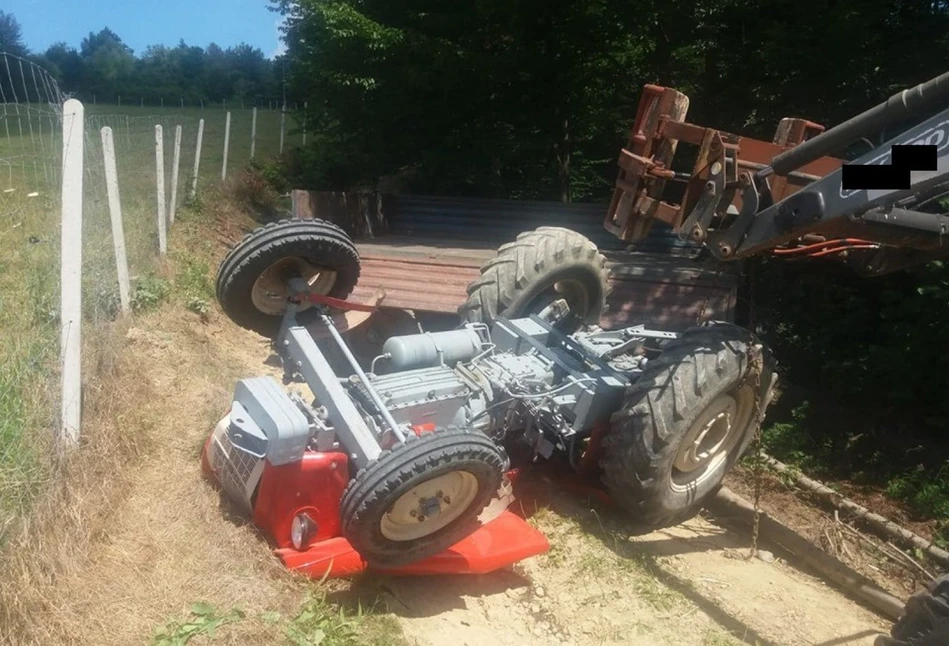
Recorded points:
(745, 196)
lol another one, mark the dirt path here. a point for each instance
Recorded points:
(684, 586)
(174, 542)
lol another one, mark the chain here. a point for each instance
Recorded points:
(755, 367)
(754, 357)
(700, 319)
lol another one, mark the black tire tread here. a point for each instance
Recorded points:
(669, 391)
(527, 261)
(318, 235)
(379, 483)
(925, 619)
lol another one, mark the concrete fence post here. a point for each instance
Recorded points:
(160, 188)
(176, 161)
(227, 141)
(115, 213)
(253, 133)
(197, 159)
(283, 125)
(71, 272)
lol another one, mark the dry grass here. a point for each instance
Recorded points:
(143, 535)
(869, 555)
(75, 507)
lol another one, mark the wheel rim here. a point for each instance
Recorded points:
(271, 289)
(711, 438)
(429, 506)
(571, 290)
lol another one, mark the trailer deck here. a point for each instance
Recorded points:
(425, 251)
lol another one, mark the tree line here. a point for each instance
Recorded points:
(533, 98)
(103, 68)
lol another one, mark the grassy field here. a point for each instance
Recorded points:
(212, 155)
(30, 158)
(31, 134)
(28, 346)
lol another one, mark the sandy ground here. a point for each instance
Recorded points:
(684, 586)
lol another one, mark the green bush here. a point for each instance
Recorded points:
(926, 491)
(193, 278)
(150, 291)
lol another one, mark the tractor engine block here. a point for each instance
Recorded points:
(521, 376)
(424, 398)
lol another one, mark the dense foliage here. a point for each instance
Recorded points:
(532, 98)
(104, 68)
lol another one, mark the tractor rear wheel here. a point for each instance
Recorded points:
(540, 267)
(421, 497)
(925, 620)
(685, 422)
(252, 281)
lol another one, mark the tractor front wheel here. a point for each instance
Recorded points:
(421, 497)
(685, 423)
(253, 279)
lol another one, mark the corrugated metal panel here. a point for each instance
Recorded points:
(499, 221)
(414, 283)
(669, 305)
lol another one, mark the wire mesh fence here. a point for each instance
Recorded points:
(136, 165)
(121, 207)
(31, 117)
(30, 165)
(31, 246)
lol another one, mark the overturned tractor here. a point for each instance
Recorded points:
(403, 464)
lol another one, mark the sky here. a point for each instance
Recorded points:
(141, 23)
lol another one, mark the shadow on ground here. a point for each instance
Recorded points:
(609, 526)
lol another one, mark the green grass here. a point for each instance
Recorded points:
(141, 122)
(203, 620)
(317, 622)
(715, 638)
(28, 344)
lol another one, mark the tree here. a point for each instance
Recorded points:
(67, 65)
(483, 98)
(104, 39)
(104, 65)
(108, 63)
(11, 36)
